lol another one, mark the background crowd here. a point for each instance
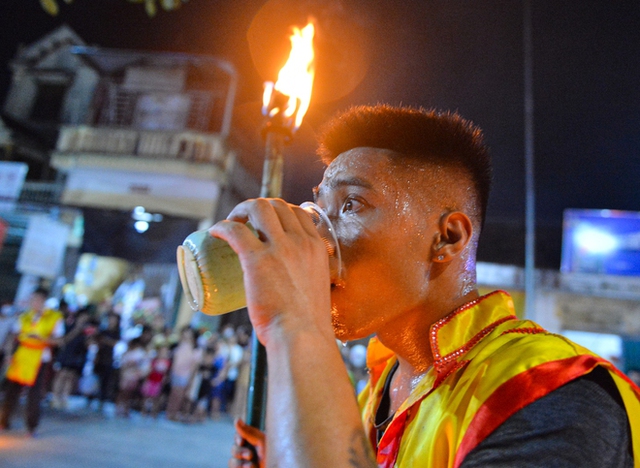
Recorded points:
(186, 375)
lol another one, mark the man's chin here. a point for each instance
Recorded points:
(345, 333)
(340, 329)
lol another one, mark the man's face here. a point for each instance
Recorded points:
(385, 223)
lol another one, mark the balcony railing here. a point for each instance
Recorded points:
(45, 193)
(190, 109)
(181, 145)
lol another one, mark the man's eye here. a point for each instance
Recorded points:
(351, 205)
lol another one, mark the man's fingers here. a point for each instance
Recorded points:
(272, 216)
(260, 213)
(249, 433)
(293, 218)
(236, 234)
(244, 456)
(305, 220)
(241, 453)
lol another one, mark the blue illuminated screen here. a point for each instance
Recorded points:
(601, 242)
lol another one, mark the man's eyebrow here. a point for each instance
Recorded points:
(338, 182)
(342, 182)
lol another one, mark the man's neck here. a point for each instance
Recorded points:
(408, 336)
(412, 347)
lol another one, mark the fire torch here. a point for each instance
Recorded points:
(284, 105)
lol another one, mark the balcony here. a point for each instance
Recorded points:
(155, 151)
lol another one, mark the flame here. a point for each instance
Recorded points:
(295, 79)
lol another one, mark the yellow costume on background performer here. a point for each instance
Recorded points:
(34, 333)
(483, 359)
(32, 341)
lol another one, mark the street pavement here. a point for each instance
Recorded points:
(85, 437)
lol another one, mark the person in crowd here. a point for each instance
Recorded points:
(152, 386)
(239, 403)
(146, 335)
(51, 368)
(7, 319)
(133, 368)
(219, 377)
(70, 358)
(234, 360)
(243, 335)
(200, 388)
(107, 338)
(456, 379)
(186, 357)
(89, 382)
(162, 337)
(33, 335)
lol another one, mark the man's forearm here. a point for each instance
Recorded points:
(312, 415)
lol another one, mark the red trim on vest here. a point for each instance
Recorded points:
(390, 442)
(509, 397)
(440, 361)
(526, 330)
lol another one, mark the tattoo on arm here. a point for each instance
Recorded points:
(360, 452)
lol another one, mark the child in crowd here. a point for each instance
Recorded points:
(132, 369)
(152, 387)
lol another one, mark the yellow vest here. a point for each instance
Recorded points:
(25, 362)
(487, 365)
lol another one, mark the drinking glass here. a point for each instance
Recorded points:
(211, 274)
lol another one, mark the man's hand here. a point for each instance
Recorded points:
(288, 290)
(286, 268)
(241, 456)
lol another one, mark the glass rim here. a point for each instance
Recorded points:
(330, 229)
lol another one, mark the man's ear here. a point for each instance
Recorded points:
(456, 230)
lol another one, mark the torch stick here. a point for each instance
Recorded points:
(284, 104)
(271, 188)
(277, 132)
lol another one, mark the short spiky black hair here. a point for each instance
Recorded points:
(442, 138)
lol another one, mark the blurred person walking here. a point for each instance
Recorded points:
(35, 331)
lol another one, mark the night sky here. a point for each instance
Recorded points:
(458, 55)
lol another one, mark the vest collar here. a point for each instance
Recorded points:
(451, 337)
